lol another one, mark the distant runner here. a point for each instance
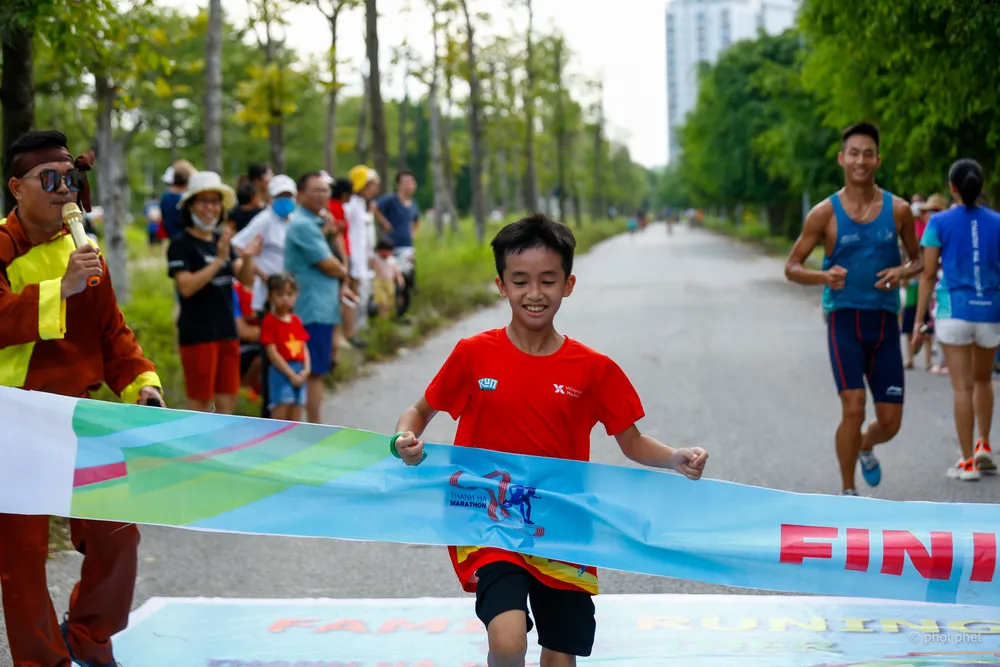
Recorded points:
(860, 228)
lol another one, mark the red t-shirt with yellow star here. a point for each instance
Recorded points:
(289, 336)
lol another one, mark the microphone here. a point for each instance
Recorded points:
(73, 218)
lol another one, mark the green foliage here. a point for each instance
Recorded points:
(767, 123)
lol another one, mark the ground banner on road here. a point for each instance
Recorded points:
(632, 630)
(99, 460)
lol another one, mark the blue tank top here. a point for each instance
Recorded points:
(864, 249)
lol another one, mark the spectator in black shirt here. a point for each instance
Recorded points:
(203, 264)
(248, 206)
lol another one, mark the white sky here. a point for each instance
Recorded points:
(623, 41)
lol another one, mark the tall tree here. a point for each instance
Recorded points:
(17, 83)
(266, 18)
(562, 131)
(475, 126)
(331, 10)
(530, 177)
(379, 139)
(443, 202)
(213, 88)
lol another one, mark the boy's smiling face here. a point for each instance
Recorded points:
(535, 283)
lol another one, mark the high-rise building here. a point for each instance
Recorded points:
(697, 31)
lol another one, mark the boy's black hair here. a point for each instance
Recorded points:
(866, 129)
(278, 280)
(245, 194)
(385, 243)
(534, 231)
(341, 186)
(405, 172)
(967, 177)
(257, 170)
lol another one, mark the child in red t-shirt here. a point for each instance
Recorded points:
(284, 337)
(527, 389)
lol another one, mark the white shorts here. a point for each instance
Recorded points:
(960, 332)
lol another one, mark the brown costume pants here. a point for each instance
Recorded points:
(99, 605)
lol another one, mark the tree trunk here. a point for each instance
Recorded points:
(361, 145)
(598, 209)
(530, 179)
(449, 167)
(404, 107)
(505, 193)
(561, 139)
(379, 141)
(110, 160)
(475, 129)
(275, 94)
(213, 89)
(17, 94)
(330, 145)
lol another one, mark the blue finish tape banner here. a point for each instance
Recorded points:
(129, 463)
(632, 631)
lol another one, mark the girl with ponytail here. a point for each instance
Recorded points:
(966, 241)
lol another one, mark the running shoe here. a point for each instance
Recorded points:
(850, 492)
(966, 470)
(984, 457)
(870, 468)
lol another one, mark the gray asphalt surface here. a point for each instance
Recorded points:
(726, 354)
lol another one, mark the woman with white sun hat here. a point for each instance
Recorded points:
(202, 263)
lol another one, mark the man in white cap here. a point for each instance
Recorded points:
(272, 225)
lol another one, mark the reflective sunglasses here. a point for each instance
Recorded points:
(50, 179)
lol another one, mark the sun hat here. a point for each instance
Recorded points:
(208, 181)
(935, 202)
(280, 185)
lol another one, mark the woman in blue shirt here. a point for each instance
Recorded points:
(966, 240)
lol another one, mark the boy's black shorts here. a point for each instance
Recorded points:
(566, 622)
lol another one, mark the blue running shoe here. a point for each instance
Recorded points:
(850, 492)
(870, 468)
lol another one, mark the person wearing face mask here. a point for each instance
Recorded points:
(203, 263)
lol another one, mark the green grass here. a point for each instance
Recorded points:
(454, 277)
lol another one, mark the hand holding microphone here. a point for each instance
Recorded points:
(84, 266)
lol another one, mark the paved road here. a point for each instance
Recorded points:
(726, 354)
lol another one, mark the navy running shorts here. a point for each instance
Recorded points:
(865, 345)
(320, 346)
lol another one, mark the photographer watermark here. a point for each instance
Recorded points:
(953, 638)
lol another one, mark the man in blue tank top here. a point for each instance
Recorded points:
(861, 227)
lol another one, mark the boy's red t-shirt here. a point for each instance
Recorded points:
(289, 337)
(246, 302)
(509, 401)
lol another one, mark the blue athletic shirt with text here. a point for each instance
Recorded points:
(863, 249)
(969, 239)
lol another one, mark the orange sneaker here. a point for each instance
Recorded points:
(966, 470)
(984, 457)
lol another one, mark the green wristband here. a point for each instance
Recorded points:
(392, 449)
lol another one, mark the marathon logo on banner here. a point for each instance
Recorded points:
(135, 464)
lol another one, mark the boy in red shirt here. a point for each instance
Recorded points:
(527, 389)
(284, 337)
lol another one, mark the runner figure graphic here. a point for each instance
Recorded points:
(504, 497)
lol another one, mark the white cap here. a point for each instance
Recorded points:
(280, 185)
